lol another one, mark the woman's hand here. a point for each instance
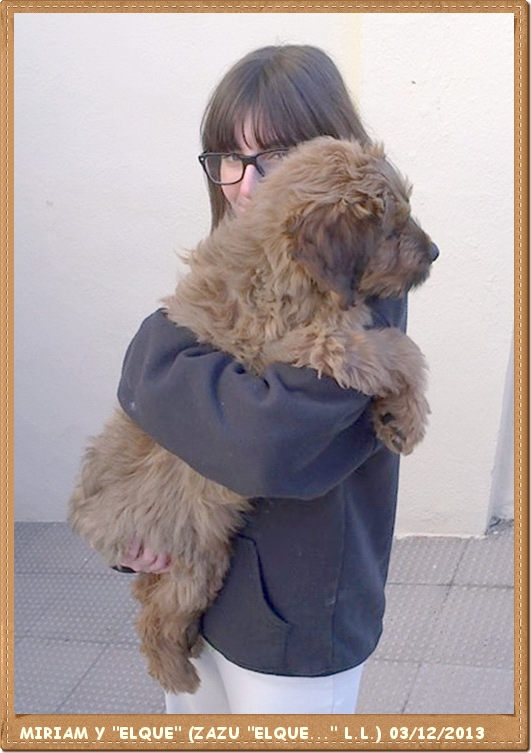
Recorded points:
(143, 560)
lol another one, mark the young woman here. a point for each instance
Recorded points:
(302, 605)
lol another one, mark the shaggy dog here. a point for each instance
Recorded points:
(285, 281)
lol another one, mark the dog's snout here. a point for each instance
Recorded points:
(434, 252)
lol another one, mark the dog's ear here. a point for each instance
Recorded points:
(332, 242)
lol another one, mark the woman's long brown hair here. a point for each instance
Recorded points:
(291, 93)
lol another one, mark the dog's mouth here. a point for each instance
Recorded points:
(421, 273)
(396, 282)
(418, 279)
(425, 253)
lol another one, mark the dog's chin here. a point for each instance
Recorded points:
(421, 276)
(392, 285)
(385, 288)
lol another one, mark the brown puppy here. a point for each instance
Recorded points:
(285, 281)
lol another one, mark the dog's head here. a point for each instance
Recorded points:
(347, 220)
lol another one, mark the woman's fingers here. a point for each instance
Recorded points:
(161, 563)
(145, 560)
(135, 548)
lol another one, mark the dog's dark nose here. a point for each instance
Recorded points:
(434, 252)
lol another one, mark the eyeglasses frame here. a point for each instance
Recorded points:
(246, 160)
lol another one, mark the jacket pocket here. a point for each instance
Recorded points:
(240, 623)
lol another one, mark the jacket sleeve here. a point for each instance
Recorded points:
(287, 433)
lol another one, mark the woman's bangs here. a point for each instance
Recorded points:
(273, 116)
(277, 123)
(223, 136)
(266, 131)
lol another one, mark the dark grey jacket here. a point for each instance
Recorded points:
(305, 592)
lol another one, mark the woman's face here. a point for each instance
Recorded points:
(239, 194)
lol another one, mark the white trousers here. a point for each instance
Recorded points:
(228, 689)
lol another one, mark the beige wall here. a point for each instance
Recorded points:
(108, 191)
(438, 89)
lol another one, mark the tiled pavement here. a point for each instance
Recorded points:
(447, 645)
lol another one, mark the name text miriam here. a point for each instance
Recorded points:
(58, 733)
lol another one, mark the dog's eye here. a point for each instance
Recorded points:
(399, 226)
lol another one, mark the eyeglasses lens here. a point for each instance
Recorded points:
(229, 168)
(269, 160)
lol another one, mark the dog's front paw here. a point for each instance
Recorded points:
(400, 425)
(389, 432)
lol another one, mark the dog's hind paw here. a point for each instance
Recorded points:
(178, 676)
(197, 647)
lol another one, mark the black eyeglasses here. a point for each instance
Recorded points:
(228, 168)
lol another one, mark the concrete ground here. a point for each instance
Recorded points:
(447, 645)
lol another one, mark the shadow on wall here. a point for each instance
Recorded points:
(501, 504)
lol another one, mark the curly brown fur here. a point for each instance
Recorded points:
(285, 281)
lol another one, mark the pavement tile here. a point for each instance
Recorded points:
(410, 618)
(46, 671)
(49, 548)
(488, 561)
(25, 532)
(386, 686)
(456, 689)
(474, 628)
(117, 683)
(35, 595)
(425, 560)
(84, 608)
